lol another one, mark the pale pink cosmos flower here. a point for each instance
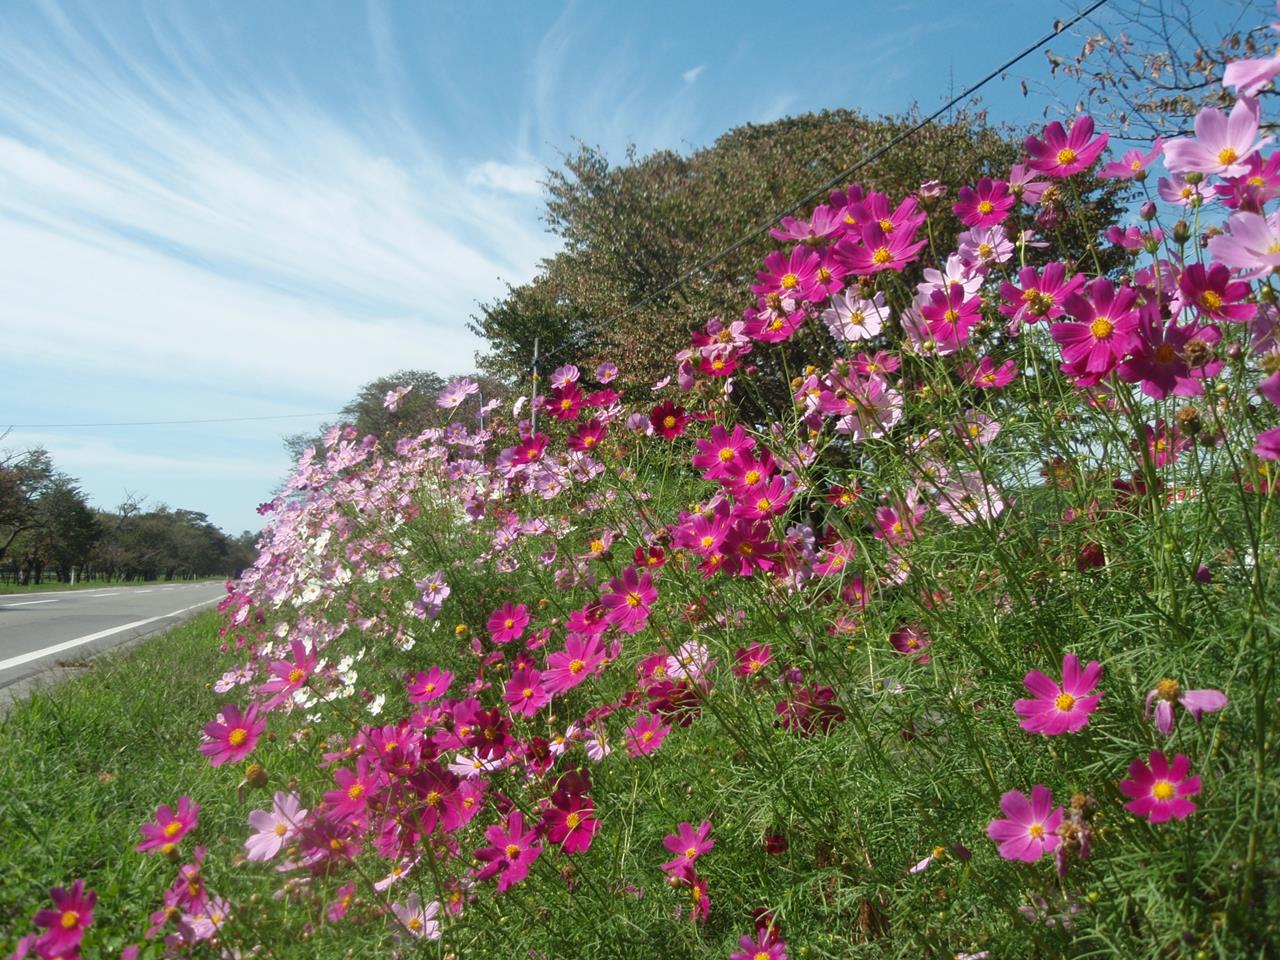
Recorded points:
(1251, 242)
(968, 499)
(1054, 709)
(852, 318)
(1168, 692)
(1222, 142)
(275, 827)
(416, 919)
(563, 376)
(691, 661)
(392, 400)
(455, 392)
(1030, 829)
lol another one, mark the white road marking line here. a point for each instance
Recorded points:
(68, 644)
(26, 603)
(95, 596)
(141, 591)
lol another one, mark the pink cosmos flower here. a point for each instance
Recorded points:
(563, 376)
(288, 676)
(1160, 790)
(1060, 154)
(688, 845)
(429, 686)
(985, 204)
(66, 922)
(233, 735)
(987, 376)
(968, 499)
(789, 275)
(951, 315)
(646, 735)
(392, 400)
(571, 822)
(1177, 191)
(588, 436)
(1163, 443)
(1251, 242)
(1053, 709)
(765, 945)
(628, 601)
(1159, 356)
(1030, 829)
(1041, 296)
(164, 833)
(275, 827)
(507, 623)
(1215, 293)
(1222, 143)
(911, 640)
(1133, 165)
(982, 247)
(749, 661)
(513, 850)
(416, 919)
(1167, 693)
(525, 694)
(455, 392)
(341, 903)
(606, 372)
(1267, 445)
(879, 250)
(897, 524)
(1104, 331)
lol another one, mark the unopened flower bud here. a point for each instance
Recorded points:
(255, 775)
(1194, 177)
(1181, 232)
(1147, 211)
(1188, 420)
(1234, 351)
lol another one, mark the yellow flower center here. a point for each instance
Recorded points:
(951, 316)
(985, 250)
(764, 504)
(280, 829)
(986, 206)
(752, 477)
(1162, 790)
(173, 828)
(1064, 702)
(296, 675)
(69, 919)
(886, 226)
(168, 848)
(513, 851)
(1210, 300)
(1257, 182)
(508, 623)
(415, 923)
(434, 798)
(669, 421)
(1101, 328)
(589, 440)
(707, 541)
(881, 256)
(1036, 831)
(572, 820)
(1227, 155)
(1168, 689)
(597, 546)
(634, 600)
(823, 274)
(790, 281)
(566, 403)
(355, 791)
(527, 693)
(646, 736)
(1165, 353)
(237, 736)
(1067, 156)
(690, 853)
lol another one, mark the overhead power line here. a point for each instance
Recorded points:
(165, 423)
(840, 178)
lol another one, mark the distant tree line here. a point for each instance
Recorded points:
(49, 531)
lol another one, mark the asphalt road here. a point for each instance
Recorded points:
(42, 632)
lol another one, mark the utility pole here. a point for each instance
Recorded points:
(534, 413)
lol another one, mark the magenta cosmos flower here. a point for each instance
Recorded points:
(507, 623)
(688, 845)
(512, 852)
(525, 695)
(1168, 692)
(233, 735)
(163, 834)
(65, 923)
(985, 204)
(668, 419)
(1060, 154)
(765, 945)
(1105, 328)
(571, 823)
(1133, 165)
(581, 657)
(1160, 791)
(646, 735)
(1055, 709)
(628, 600)
(1030, 829)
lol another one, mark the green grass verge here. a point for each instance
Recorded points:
(83, 763)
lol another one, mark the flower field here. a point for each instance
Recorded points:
(965, 648)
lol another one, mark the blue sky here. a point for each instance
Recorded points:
(249, 209)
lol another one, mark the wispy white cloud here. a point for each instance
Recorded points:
(693, 73)
(208, 224)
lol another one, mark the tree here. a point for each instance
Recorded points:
(24, 477)
(630, 231)
(1166, 62)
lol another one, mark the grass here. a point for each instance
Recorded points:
(50, 586)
